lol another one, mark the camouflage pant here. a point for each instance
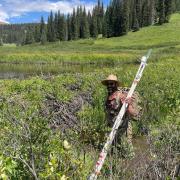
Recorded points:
(123, 139)
(125, 132)
(124, 129)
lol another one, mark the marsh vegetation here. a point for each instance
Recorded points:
(53, 126)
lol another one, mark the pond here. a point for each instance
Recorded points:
(21, 71)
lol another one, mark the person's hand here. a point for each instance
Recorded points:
(129, 100)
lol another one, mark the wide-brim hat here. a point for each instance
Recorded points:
(111, 77)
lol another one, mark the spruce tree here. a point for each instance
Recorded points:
(43, 38)
(29, 39)
(93, 26)
(42, 25)
(116, 17)
(37, 34)
(1, 42)
(101, 17)
(78, 20)
(69, 30)
(144, 14)
(135, 23)
(125, 17)
(56, 26)
(99, 13)
(161, 11)
(89, 19)
(139, 11)
(50, 28)
(177, 5)
(108, 22)
(132, 7)
(147, 12)
(104, 25)
(74, 26)
(62, 27)
(168, 9)
(84, 25)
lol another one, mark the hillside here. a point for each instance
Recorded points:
(53, 126)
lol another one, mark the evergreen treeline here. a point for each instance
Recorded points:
(17, 33)
(120, 17)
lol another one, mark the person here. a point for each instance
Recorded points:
(115, 99)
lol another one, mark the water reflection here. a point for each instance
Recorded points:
(21, 71)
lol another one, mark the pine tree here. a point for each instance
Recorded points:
(104, 25)
(101, 17)
(150, 12)
(177, 5)
(74, 25)
(29, 38)
(93, 26)
(50, 28)
(85, 25)
(99, 12)
(62, 28)
(146, 13)
(108, 22)
(125, 17)
(1, 42)
(43, 39)
(58, 28)
(168, 9)
(78, 20)
(132, 10)
(139, 11)
(135, 23)
(89, 19)
(153, 11)
(42, 25)
(69, 30)
(117, 17)
(56, 25)
(161, 11)
(37, 34)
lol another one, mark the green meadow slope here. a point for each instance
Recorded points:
(33, 140)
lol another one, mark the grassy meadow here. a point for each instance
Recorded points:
(32, 144)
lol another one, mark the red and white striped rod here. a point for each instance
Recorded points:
(118, 121)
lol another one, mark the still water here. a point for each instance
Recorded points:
(21, 71)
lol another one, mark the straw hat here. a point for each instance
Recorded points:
(111, 77)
